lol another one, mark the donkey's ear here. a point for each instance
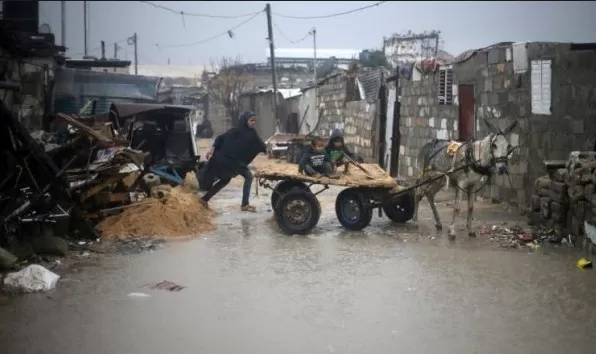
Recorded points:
(490, 126)
(510, 128)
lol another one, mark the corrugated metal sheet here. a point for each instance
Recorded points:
(370, 81)
(74, 87)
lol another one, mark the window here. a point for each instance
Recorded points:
(445, 86)
(541, 90)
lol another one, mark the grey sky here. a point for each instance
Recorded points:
(464, 25)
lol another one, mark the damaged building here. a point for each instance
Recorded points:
(548, 88)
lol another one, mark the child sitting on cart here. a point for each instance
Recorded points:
(337, 152)
(314, 161)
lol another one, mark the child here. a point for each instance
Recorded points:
(336, 150)
(314, 161)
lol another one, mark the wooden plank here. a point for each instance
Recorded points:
(355, 177)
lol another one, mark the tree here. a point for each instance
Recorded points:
(233, 79)
(375, 59)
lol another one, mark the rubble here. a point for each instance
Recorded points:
(565, 199)
(86, 179)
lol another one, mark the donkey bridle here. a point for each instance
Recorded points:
(475, 165)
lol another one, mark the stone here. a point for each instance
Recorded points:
(559, 175)
(7, 259)
(545, 207)
(576, 193)
(50, 245)
(535, 203)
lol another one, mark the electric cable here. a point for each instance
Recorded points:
(330, 15)
(183, 13)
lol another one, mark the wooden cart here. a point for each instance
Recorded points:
(297, 209)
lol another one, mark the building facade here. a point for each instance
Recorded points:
(548, 88)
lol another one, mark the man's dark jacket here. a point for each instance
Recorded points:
(235, 149)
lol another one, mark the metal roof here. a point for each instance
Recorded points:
(370, 82)
(77, 83)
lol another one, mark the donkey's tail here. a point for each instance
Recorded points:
(425, 155)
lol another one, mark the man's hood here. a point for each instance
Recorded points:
(245, 117)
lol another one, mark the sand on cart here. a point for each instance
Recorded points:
(355, 177)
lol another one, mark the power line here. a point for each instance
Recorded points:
(178, 12)
(330, 15)
(229, 33)
(288, 39)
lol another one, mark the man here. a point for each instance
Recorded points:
(230, 156)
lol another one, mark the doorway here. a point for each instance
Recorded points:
(466, 124)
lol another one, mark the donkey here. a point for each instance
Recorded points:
(475, 161)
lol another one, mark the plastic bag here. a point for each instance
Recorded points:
(31, 279)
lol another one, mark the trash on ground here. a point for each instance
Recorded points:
(583, 263)
(32, 279)
(516, 236)
(165, 285)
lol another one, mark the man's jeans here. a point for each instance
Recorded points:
(245, 172)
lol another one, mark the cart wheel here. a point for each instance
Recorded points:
(297, 212)
(283, 187)
(399, 208)
(352, 209)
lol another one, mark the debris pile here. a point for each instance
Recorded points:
(178, 214)
(66, 181)
(565, 199)
(517, 237)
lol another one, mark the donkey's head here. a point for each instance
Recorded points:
(500, 149)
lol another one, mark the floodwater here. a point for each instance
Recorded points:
(390, 289)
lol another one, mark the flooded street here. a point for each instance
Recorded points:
(250, 289)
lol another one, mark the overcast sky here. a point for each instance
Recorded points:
(464, 25)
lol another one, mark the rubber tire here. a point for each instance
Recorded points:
(400, 208)
(366, 211)
(283, 187)
(297, 194)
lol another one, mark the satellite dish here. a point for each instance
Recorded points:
(45, 28)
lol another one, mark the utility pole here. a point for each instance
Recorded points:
(272, 55)
(314, 44)
(85, 25)
(136, 55)
(115, 50)
(63, 23)
(133, 41)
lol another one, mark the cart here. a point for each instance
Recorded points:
(297, 209)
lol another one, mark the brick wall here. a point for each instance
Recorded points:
(422, 119)
(572, 124)
(340, 107)
(501, 98)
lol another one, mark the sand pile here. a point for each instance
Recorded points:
(178, 215)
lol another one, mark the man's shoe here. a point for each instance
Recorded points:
(204, 203)
(249, 208)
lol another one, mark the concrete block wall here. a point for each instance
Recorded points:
(332, 100)
(360, 128)
(501, 98)
(356, 119)
(422, 119)
(572, 124)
